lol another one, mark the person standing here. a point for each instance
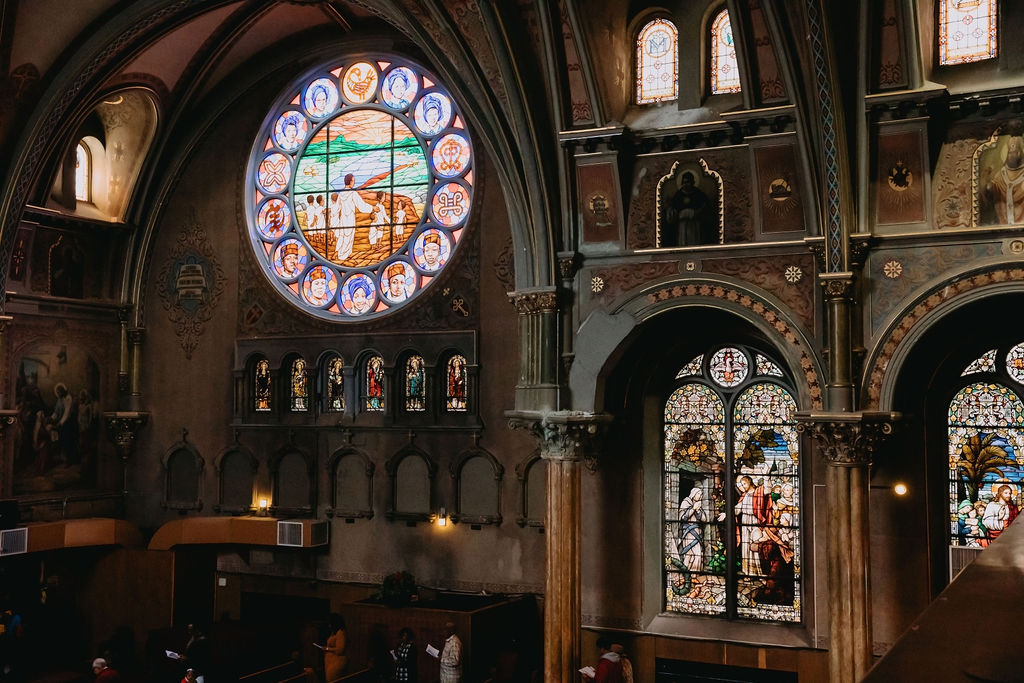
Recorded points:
(405, 658)
(1000, 512)
(609, 666)
(197, 653)
(451, 656)
(335, 658)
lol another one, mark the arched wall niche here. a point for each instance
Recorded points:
(183, 476)
(293, 473)
(412, 472)
(910, 553)
(236, 469)
(477, 475)
(351, 473)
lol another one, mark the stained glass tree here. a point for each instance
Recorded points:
(455, 384)
(373, 385)
(657, 62)
(262, 386)
(299, 393)
(335, 385)
(415, 389)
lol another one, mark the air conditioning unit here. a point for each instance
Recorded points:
(13, 541)
(302, 533)
(960, 557)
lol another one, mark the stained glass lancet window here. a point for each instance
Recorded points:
(299, 386)
(415, 381)
(657, 62)
(732, 550)
(986, 441)
(373, 385)
(360, 184)
(83, 173)
(335, 385)
(725, 72)
(455, 385)
(967, 31)
(261, 386)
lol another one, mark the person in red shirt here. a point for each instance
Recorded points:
(103, 673)
(609, 666)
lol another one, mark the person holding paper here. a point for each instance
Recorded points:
(451, 656)
(405, 658)
(335, 658)
(609, 666)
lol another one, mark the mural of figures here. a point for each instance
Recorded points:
(689, 208)
(999, 168)
(58, 437)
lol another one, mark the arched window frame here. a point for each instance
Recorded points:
(643, 62)
(218, 467)
(372, 403)
(728, 473)
(274, 465)
(83, 176)
(987, 33)
(523, 471)
(415, 383)
(336, 510)
(455, 470)
(261, 384)
(447, 388)
(333, 383)
(391, 467)
(719, 52)
(189, 450)
(298, 374)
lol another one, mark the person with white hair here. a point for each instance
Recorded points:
(103, 672)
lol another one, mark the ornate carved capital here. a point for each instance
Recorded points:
(860, 245)
(538, 301)
(847, 439)
(122, 428)
(837, 285)
(136, 335)
(565, 434)
(568, 264)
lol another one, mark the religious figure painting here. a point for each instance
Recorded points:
(689, 200)
(999, 179)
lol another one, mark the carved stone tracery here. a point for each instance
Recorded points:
(545, 301)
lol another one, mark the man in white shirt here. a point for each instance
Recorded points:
(451, 656)
(348, 202)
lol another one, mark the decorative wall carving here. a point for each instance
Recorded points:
(191, 283)
(951, 182)
(617, 280)
(918, 266)
(731, 163)
(941, 294)
(899, 187)
(769, 274)
(847, 439)
(762, 309)
(579, 97)
(772, 87)
(599, 201)
(505, 266)
(778, 187)
(889, 72)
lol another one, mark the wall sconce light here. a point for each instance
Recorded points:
(442, 518)
(264, 507)
(900, 489)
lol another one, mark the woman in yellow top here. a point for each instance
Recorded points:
(334, 652)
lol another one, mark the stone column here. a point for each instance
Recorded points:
(566, 438)
(537, 388)
(136, 336)
(848, 442)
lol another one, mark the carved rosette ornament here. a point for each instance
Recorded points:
(847, 439)
(564, 435)
(541, 301)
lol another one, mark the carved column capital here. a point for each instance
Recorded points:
(837, 285)
(535, 301)
(568, 264)
(122, 428)
(7, 418)
(564, 434)
(137, 335)
(848, 439)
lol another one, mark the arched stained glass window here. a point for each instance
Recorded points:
(986, 443)
(83, 173)
(657, 62)
(373, 385)
(336, 385)
(262, 386)
(415, 385)
(725, 72)
(732, 550)
(455, 400)
(299, 386)
(967, 31)
(360, 186)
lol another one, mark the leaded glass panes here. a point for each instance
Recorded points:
(986, 440)
(299, 386)
(657, 62)
(766, 368)
(335, 385)
(725, 72)
(415, 380)
(1014, 362)
(361, 183)
(261, 386)
(455, 384)
(985, 363)
(967, 30)
(83, 173)
(766, 459)
(732, 550)
(692, 368)
(729, 367)
(373, 385)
